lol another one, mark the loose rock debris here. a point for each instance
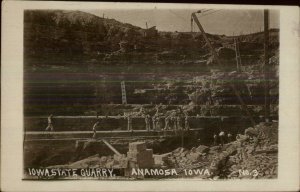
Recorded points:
(252, 155)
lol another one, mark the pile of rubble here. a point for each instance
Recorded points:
(94, 161)
(180, 157)
(258, 155)
(253, 154)
(138, 156)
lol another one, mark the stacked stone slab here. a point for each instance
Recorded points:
(161, 159)
(139, 156)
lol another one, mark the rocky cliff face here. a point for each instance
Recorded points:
(69, 34)
(68, 53)
(75, 34)
(72, 32)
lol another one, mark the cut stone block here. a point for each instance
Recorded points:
(136, 156)
(137, 146)
(161, 159)
(150, 151)
(146, 164)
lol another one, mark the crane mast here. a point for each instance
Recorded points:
(215, 55)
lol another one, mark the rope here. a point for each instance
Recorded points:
(210, 13)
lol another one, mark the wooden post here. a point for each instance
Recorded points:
(96, 98)
(123, 90)
(237, 55)
(266, 65)
(215, 55)
(191, 25)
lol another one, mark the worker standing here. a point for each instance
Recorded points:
(167, 123)
(147, 121)
(50, 124)
(129, 123)
(157, 109)
(222, 135)
(158, 123)
(178, 121)
(154, 123)
(174, 123)
(215, 139)
(229, 137)
(95, 128)
(186, 123)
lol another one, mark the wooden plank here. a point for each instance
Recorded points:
(75, 135)
(111, 147)
(98, 132)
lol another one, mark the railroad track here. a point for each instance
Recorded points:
(116, 134)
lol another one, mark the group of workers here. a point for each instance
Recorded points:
(160, 121)
(170, 122)
(222, 137)
(173, 121)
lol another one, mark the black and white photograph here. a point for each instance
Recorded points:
(155, 94)
(149, 95)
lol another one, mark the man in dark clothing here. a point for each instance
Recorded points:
(215, 139)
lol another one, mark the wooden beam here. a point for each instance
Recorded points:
(111, 147)
(215, 55)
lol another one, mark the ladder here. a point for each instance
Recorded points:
(124, 100)
(237, 54)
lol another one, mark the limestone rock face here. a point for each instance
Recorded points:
(226, 53)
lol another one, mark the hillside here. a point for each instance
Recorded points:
(72, 32)
(74, 60)
(79, 36)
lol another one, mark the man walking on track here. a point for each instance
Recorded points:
(50, 124)
(95, 128)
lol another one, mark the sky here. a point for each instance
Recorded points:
(217, 21)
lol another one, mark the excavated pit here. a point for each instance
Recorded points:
(43, 153)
